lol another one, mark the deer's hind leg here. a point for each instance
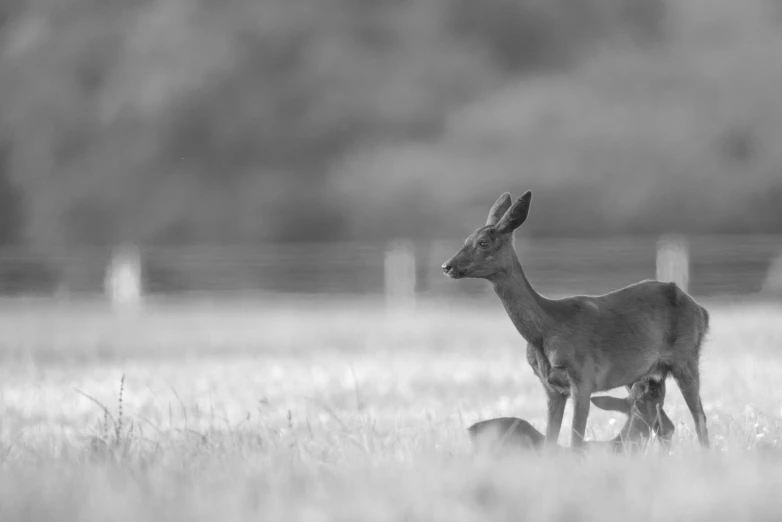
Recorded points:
(687, 376)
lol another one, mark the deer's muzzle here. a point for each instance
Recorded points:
(451, 271)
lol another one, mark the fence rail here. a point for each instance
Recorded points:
(708, 265)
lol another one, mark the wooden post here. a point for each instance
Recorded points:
(123, 278)
(673, 260)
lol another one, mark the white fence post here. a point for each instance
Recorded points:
(123, 278)
(673, 260)
(772, 284)
(400, 280)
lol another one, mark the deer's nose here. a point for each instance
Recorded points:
(447, 267)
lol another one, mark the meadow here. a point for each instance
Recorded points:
(315, 410)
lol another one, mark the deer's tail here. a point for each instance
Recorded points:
(700, 316)
(704, 326)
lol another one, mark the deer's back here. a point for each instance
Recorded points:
(637, 331)
(506, 431)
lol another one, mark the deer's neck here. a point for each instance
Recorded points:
(526, 308)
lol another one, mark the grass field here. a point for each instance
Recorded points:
(324, 411)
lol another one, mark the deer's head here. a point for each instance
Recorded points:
(489, 250)
(643, 407)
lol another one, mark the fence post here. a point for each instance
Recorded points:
(772, 283)
(400, 281)
(673, 260)
(123, 278)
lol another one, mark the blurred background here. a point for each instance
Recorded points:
(349, 146)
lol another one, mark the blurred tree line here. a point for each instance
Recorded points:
(223, 121)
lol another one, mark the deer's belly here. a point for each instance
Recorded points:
(608, 378)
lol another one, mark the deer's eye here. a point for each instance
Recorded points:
(483, 243)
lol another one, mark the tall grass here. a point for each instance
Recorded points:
(343, 412)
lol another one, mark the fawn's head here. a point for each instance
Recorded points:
(643, 407)
(489, 250)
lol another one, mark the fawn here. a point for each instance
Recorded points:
(584, 344)
(643, 407)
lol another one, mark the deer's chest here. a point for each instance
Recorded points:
(552, 379)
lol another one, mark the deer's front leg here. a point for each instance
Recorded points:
(556, 410)
(581, 394)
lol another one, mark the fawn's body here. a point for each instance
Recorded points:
(643, 407)
(585, 344)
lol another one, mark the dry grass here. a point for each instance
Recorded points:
(339, 412)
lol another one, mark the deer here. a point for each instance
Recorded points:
(645, 417)
(583, 344)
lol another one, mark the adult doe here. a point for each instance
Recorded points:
(584, 344)
(643, 407)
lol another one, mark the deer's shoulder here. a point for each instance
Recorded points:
(576, 308)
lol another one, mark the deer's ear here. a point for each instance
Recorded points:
(516, 214)
(667, 427)
(606, 402)
(499, 209)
